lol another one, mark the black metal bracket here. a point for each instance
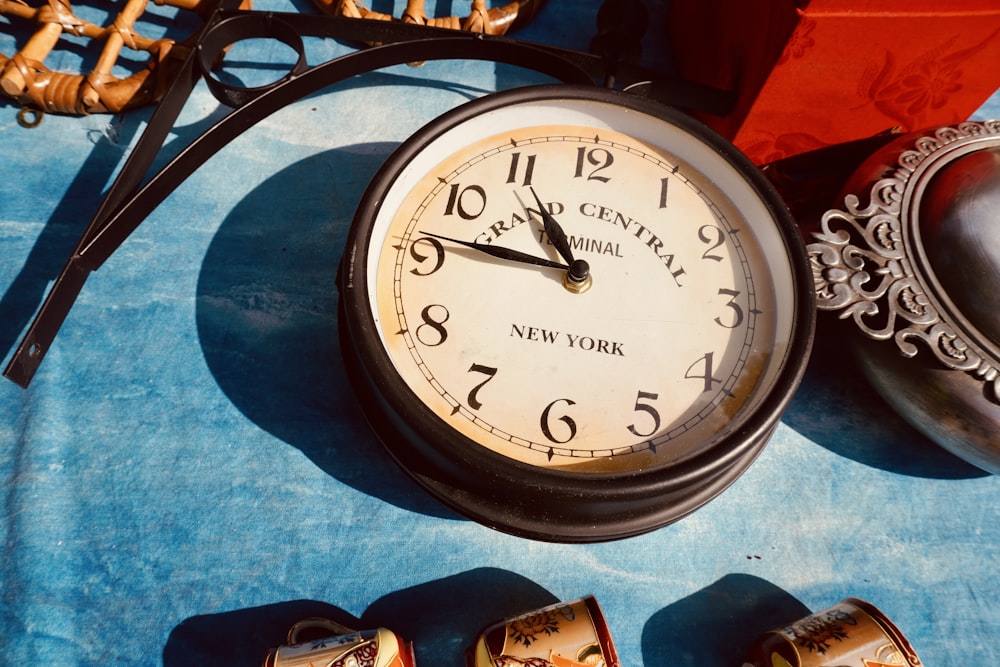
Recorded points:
(134, 194)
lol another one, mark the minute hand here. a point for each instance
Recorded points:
(503, 253)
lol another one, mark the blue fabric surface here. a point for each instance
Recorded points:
(188, 473)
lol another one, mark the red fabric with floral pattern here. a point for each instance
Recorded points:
(814, 73)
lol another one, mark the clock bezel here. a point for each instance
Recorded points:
(510, 495)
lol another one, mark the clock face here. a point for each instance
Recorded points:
(572, 286)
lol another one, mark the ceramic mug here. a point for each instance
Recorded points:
(568, 634)
(320, 642)
(852, 633)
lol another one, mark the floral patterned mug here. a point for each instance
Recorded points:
(852, 633)
(337, 646)
(568, 634)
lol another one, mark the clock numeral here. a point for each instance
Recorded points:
(664, 185)
(705, 364)
(737, 310)
(432, 332)
(599, 158)
(490, 372)
(529, 168)
(469, 202)
(565, 419)
(421, 258)
(648, 409)
(713, 237)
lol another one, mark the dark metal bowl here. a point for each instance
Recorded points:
(916, 268)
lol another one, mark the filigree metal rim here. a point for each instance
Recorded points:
(868, 262)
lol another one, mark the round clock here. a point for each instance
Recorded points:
(573, 314)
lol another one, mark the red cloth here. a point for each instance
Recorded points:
(813, 73)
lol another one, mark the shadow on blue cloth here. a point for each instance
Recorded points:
(80, 202)
(267, 319)
(836, 408)
(440, 617)
(62, 230)
(717, 625)
(714, 627)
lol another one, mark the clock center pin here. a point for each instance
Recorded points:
(577, 279)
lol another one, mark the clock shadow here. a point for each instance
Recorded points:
(267, 320)
(838, 409)
(441, 618)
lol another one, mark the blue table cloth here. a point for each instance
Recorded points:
(189, 472)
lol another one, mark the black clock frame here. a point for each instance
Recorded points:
(509, 495)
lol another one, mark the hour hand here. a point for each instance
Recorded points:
(553, 230)
(578, 277)
(503, 253)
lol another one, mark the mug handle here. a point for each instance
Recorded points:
(317, 623)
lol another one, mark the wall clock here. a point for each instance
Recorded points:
(573, 314)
